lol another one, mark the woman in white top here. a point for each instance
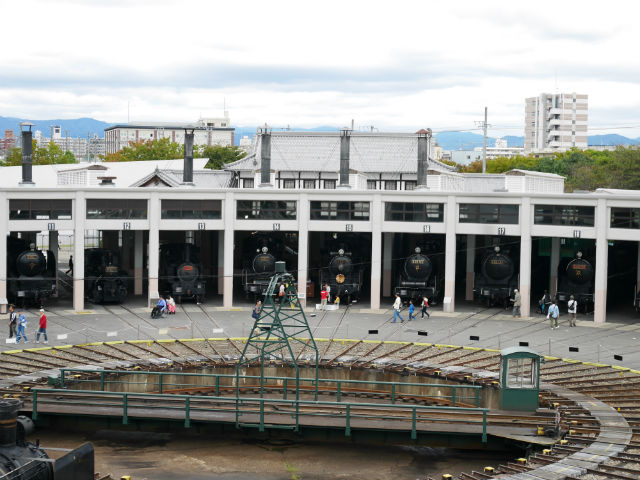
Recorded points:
(572, 306)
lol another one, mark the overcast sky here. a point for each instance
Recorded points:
(395, 65)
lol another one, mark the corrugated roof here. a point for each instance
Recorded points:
(320, 151)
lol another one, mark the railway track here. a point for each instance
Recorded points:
(619, 388)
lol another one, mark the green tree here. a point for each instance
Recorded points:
(49, 155)
(218, 155)
(161, 149)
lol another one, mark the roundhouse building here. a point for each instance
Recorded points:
(382, 192)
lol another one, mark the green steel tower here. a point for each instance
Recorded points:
(280, 325)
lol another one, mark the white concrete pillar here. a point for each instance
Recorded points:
(387, 257)
(376, 251)
(79, 218)
(54, 247)
(303, 247)
(228, 217)
(138, 262)
(153, 251)
(471, 260)
(602, 256)
(525, 256)
(451, 213)
(553, 265)
(4, 231)
(220, 262)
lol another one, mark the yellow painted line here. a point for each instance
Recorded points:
(423, 344)
(371, 341)
(394, 342)
(166, 340)
(637, 372)
(348, 340)
(568, 360)
(595, 364)
(9, 352)
(135, 341)
(440, 345)
(236, 310)
(84, 312)
(237, 339)
(322, 339)
(63, 347)
(491, 350)
(92, 344)
(38, 349)
(472, 348)
(624, 369)
(115, 342)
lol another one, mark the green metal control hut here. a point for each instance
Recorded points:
(519, 379)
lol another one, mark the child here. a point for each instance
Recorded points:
(412, 309)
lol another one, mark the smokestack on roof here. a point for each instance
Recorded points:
(424, 141)
(265, 157)
(187, 171)
(345, 144)
(27, 152)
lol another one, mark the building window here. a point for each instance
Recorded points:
(288, 183)
(413, 212)
(191, 209)
(563, 215)
(625, 217)
(266, 210)
(372, 185)
(108, 208)
(309, 184)
(488, 213)
(329, 184)
(410, 185)
(339, 210)
(247, 183)
(25, 209)
(390, 185)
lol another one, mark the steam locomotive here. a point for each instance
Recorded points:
(20, 459)
(419, 278)
(104, 281)
(31, 273)
(257, 274)
(576, 277)
(343, 275)
(181, 272)
(496, 279)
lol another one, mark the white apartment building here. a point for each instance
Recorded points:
(500, 150)
(207, 131)
(555, 122)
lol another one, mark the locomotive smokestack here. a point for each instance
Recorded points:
(424, 140)
(345, 143)
(187, 172)
(265, 157)
(9, 408)
(27, 152)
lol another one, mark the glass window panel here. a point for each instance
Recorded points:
(19, 209)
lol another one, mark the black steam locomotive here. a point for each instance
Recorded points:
(23, 460)
(181, 272)
(419, 278)
(31, 273)
(103, 279)
(343, 275)
(257, 274)
(496, 280)
(576, 277)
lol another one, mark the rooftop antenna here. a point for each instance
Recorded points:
(484, 126)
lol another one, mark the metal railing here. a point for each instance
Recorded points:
(458, 393)
(261, 412)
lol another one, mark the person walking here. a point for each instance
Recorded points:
(572, 306)
(552, 314)
(323, 298)
(13, 321)
(544, 302)
(412, 309)
(22, 326)
(397, 304)
(43, 327)
(328, 289)
(517, 303)
(70, 266)
(425, 305)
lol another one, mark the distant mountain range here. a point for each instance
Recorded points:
(81, 127)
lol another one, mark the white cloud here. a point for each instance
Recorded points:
(400, 65)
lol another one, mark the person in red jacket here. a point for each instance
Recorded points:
(43, 327)
(323, 298)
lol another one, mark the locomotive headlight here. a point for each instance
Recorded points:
(265, 249)
(496, 249)
(341, 252)
(417, 250)
(340, 278)
(579, 254)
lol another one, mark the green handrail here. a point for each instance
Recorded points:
(188, 407)
(217, 376)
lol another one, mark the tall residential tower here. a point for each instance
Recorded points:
(555, 122)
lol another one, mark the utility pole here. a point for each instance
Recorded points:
(484, 126)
